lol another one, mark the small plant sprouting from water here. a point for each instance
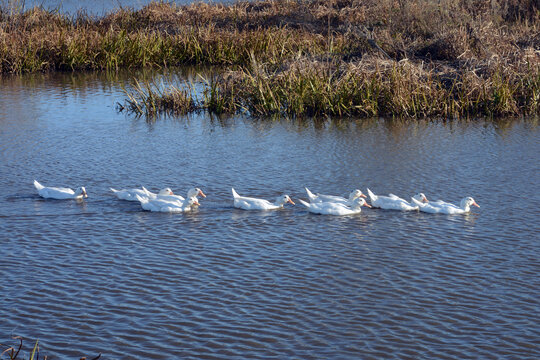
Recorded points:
(13, 352)
(150, 99)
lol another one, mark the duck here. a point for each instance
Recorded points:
(193, 192)
(60, 193)
(442, 207)
(160, 205)
(332, 208)
(394, 202)
(249, 203)
(130, 194)
(335, 199)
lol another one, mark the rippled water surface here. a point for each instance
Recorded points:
(103, 276)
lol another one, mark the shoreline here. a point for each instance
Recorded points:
(306, 59)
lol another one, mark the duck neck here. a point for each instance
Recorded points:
(279, 202)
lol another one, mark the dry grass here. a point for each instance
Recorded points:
(162, 34)
(376, 87)
(306, 57)
(151, 98)
(368, 87)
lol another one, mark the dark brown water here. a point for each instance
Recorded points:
(105, 277)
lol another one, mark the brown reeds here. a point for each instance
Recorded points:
(365, 88)
(163, 34)
(478, 57)
(150, 99)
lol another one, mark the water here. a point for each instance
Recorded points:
(96, 7)
(103, 276)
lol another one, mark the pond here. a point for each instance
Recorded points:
(104, 276)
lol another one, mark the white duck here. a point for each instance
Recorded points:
(335, 199)
(249, 203)
(331, 208)
(393, 202)
(441, 207)
(130, 194)
(193, 192)
(160, 205)
(60, 193)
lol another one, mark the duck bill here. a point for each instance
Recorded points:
(196, 203)
(364, 196)
(366, 204)
(425, 199)
(202, 194)
(85, 194)
(290, 201)
(475, 204)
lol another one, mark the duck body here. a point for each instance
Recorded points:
(249, 203)
(442, 207)
(170, 206)
(131, 194)
(314, 198)
(332, 208)
(194, 192)
(393, 202)
(59, 192)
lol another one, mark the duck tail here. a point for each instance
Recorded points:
(310, 195)
(303, 202)
(372, 196)
(234, 193)
(37, 185)
(146, 191)
(141, 200)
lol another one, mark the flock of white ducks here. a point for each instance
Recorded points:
(166, 201)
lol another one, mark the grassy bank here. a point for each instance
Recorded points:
(312, 58)
(375, 87)
(365, 88)
(162, 34)
(158, 35)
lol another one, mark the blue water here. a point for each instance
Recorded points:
(104, 276)
(94, 7)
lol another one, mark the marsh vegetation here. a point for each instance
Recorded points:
(412, 58)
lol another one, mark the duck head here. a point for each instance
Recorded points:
(195, 192)
(356, 194)
(421, 197)
(166, 191)
(193, 201)
(81, 191)
(358, 202)
(467, 202)
(283, 199)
